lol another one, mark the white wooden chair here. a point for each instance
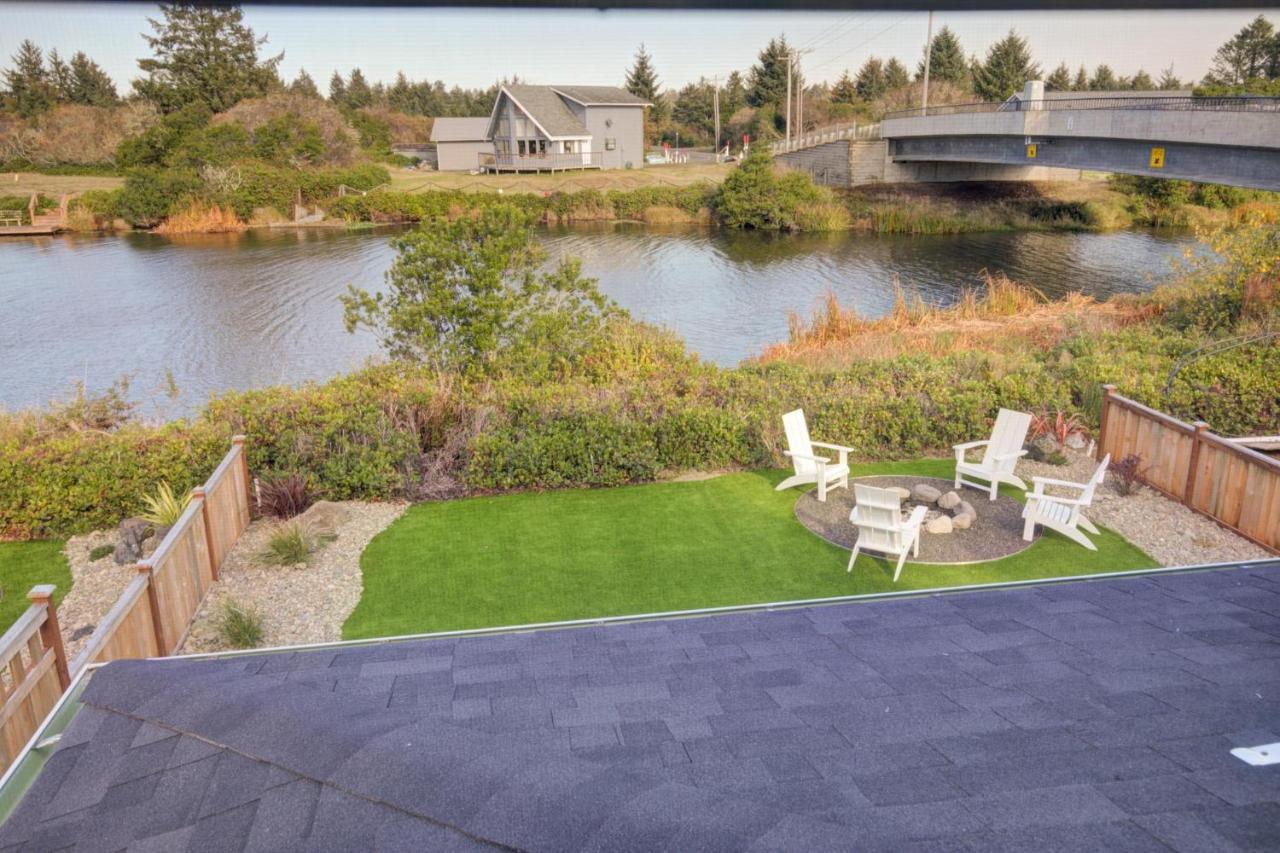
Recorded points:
(808, 467)
(999, 456)
(877, 513)
(1063, 514)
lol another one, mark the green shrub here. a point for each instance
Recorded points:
(151, 194)
(755, 195)
(240, 625)
(290, 544)
(101, 551)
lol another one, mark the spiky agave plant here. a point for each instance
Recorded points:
(163, 507)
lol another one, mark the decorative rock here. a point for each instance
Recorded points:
(132, 533)
(925, 494)
(903, 492)
(963, 521)
(949, 500)
(1076, 441)
(966, 508)
(941, 524)
(325, 517)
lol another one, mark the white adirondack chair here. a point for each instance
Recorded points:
(999, 456)
(810, 468)
(877, 513)
(1063, 514)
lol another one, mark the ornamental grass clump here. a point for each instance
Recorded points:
(284, 496)
(292, 544)
(240, 625)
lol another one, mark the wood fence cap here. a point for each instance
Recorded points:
(39, 592)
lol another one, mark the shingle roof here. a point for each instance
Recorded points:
(460, 129)
(610, 95)
(546, 108)
(1092, 715)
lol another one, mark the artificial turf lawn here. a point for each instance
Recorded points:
(22, 566)
(541, 557)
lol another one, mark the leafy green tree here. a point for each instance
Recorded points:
(203, 53)
(1059, 80)
(755, 196)
(90, 84)
(304, 85)
(358, 92)
(1103, 79)
(27, 82)
(895, 74)
(844, 91)
(1251, 54)
(337, 90)
(767, 80)
(1142, 81)
(946, 59)
(642, 81)
(1007, 67)
(871, 81)
(471, 294)
(1168, 80)
(1081, 83)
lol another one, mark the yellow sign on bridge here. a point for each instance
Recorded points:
(1157, 158)
(1031, 151)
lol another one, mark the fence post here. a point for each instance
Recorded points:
(153, 601)
(50, 633)
(239, 441)
(198, 494)
(1107, 392)
(1197, 440)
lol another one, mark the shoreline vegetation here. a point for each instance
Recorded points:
(630, 404)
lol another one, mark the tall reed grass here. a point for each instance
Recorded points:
(199, 218)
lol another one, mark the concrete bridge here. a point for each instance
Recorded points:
(1032, 136)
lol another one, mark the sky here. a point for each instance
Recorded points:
(475, 47)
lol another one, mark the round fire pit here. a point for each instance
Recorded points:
(996, 531)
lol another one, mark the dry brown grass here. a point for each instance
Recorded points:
(413, 180)
(1003, 315)
(199, 218)
(25, 183)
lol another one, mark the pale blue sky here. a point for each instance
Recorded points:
(474, 47)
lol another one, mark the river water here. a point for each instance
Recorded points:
(238, 311)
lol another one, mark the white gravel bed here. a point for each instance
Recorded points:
(1167, 530)
(305, 604)
(95, 586)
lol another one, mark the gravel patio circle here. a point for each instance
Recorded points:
(997, 532)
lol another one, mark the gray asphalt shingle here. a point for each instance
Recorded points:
(1078, 716)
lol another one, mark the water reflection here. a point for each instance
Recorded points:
(244, 310)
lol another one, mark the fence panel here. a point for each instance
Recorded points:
(1237, 487)
(127, 631)
(226, 498)
(33, 673)
(181, 572)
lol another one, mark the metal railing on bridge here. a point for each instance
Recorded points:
(1234, 103)
(822, 136)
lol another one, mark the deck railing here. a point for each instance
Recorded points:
(1215, 476)
(823, 135)
(151, 617)
(543, 162)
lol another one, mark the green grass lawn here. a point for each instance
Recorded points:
(540, 557)
(22, 566)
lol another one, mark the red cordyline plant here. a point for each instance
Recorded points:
(1058, 424)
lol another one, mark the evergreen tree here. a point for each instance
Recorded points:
(1081, 83)
(1168, 80)
(337, 90)
(27, 81)
(734, 96)
(90, 84)
(401, 94)
(1007, 68)
(1059, 80)
(304, 85)
(767, 81)
(895, 74)
(844, 92)
(1142, 81)
(695, 107)
(205, 54)
(61, 82)
(871, 82)
(358, 92)
(642, 81)
(1103, 79)
(1250, 54)
(946, 59)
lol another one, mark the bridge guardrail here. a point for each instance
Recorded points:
(1241, 103)
(824, 135)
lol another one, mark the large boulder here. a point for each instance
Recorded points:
(949, 501)
(925, 493)
(133, 532)
(904, 493)
(941, 524)
(325, 517)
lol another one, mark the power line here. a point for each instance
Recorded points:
(863, 42)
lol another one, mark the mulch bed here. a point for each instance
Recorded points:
(997, 532)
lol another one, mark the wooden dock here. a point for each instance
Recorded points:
(11, 221)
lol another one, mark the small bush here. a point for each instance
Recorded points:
(284, 496)
(240, 625)
(290, 544)
(1127, 473)
(163, 507)
(101, 551)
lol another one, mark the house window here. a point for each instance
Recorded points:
(542, 147)
(610, 143)
(570, 146)
(503, 145)
(521, 147)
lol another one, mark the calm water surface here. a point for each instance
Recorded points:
(246, 310)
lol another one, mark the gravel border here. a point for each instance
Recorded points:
(298, 605)
(95, 586)
(1171, 533)
(997, 533)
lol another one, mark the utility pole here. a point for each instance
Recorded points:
(928, 55)
(790, 60)
(715, 109)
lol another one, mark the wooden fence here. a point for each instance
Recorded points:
(1235, 486)
(151, 617)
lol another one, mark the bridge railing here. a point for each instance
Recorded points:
(1235, 103)
(823, 135)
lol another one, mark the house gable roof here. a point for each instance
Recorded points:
(999, 718)
(469, 129)
(547, 110)
(595, 96)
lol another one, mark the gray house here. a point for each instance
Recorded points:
(547, 128)
(460, 142)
